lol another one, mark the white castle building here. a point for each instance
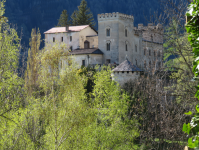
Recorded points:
(116, 38)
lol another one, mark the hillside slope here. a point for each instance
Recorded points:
(44, 14)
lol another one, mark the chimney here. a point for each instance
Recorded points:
(67, 27)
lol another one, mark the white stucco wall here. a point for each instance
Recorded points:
(93, 40)
(66, 38)
(82, 36)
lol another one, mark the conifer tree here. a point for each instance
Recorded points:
(63, 20)
(74, 18)
(84, 16)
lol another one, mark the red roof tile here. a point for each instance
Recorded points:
(63, 29)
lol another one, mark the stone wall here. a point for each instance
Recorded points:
(124, 77)
(93, 59)
(117, 23)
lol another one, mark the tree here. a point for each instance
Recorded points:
(63, 20)
(11, 86)
(74, 18)
(83, 16)
(192, 128)
(113, 129)
(31, 73)
(10, 83)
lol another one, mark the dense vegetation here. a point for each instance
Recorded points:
(71, 108)
(192, 128)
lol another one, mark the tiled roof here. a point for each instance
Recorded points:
(127, 66)
(86, 51)
(63, 29)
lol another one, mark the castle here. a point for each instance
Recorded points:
(116, 39)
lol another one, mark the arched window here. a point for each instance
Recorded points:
(125, 32)
(126, 47)
(108, 46)
(108, 32)
(145, 51)
(149, 64)
(151, 37)
(136, 63)
(86, 44)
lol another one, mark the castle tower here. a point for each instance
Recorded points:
(116, 37)
(125, 72)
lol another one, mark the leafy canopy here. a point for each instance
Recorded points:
(192, 27)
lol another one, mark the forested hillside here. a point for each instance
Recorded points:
(44, 14)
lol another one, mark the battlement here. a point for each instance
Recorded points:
(150, 26)
(114, 16)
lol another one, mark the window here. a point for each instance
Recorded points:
(126, 47)
(136, 63)
(62, 39)
(149, 64)
(154, 54)
(145, 64)
(152, 38)
(108, 61)
(149, 52)
(83, 62)
(125, 32)
(53, 39)
(108, 45)
(107, 32)
(71, 38)
(71, 48)
(158, 53)
(135, 48)
(86, 44)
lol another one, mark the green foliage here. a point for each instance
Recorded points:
(31, 73)
(10, 83)
(58, 115)
(112, 106)
(83, 16)
(192, 27)
(74, 18)
(178, 46)
(89, 73)
(63, 20)
(11, 86)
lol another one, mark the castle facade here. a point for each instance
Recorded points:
(116, 39)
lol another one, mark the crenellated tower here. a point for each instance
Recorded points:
(116, 37)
